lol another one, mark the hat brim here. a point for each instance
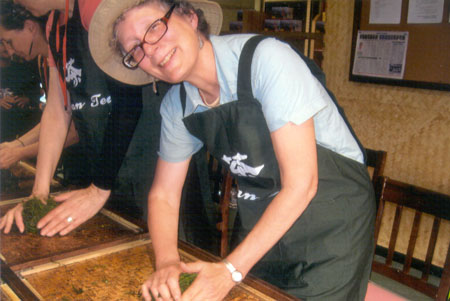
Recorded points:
(101, 33)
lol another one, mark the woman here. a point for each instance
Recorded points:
(305, 199)
(23, 36)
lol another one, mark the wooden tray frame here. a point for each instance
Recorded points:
(250, 284)
(136, 234)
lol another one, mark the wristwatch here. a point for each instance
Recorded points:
(236, 276)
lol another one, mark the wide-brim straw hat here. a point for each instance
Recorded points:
(105, 54)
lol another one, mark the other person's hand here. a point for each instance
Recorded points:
(22, 101)
(15, 215)
(7, 102)
(9, 155)
(78, 206)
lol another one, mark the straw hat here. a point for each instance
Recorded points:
(101, 34)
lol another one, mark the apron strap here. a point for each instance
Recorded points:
(183, 97)
(244, 85)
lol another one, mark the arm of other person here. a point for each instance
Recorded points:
(27, 146)
(126, 110)
(82, 204)
(53, 131)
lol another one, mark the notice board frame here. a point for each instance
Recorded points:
(426, 67)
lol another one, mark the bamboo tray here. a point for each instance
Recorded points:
(20, 251)
(116, 273)
(7, 294)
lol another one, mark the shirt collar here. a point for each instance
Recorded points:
(226, 65)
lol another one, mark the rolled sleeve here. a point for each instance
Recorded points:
(284, 85)
(177, 144)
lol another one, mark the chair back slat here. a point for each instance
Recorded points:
(375, 159)
(421, 200)
(225, 212)
(379, 190)
(443, 290)
(431, 247)
(412, 242)
(394, 235)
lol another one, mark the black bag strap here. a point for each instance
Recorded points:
(244, 86)
(183, 97)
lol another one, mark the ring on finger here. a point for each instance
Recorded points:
(69, 219)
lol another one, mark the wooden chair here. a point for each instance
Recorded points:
(224, 205)
(221, 185)
(375, 161)
(423, 202)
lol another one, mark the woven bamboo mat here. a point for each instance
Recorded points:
(110, 276)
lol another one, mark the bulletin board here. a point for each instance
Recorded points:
(427, 54)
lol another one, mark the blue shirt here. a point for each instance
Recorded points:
(283, 84)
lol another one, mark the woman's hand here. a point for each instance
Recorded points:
(163, 283)
(78, 206)
(213, 281)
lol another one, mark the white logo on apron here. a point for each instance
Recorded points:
(239, 168)
(73, 74)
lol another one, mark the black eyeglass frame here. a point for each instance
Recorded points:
(129, 55)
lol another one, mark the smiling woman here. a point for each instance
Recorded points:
(103, 34)
(306, 209)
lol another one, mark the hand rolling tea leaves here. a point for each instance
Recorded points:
(184, 281)
(33, 210)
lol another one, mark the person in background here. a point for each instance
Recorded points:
(105, 113)
(23, 38)
(19, 95)
(305, 201)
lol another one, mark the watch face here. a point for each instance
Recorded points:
(236, 276)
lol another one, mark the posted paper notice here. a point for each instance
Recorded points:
(425, 11)
(380, 54)
(385, 11)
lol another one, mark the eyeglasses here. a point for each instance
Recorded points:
(154, 33)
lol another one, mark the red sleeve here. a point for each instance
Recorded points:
(87, 9)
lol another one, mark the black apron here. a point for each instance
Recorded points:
(327, 253)
(89, 94)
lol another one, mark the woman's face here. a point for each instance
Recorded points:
(41, 7)
(172, 58)
(20, 41)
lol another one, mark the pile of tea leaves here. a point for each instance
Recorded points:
(33, 210)
(185, 281)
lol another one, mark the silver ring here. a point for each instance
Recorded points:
(69, 219)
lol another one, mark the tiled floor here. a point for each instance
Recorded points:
(398, 288)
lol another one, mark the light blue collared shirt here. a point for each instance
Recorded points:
(280, 80)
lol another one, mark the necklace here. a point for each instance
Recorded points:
(210, 105)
